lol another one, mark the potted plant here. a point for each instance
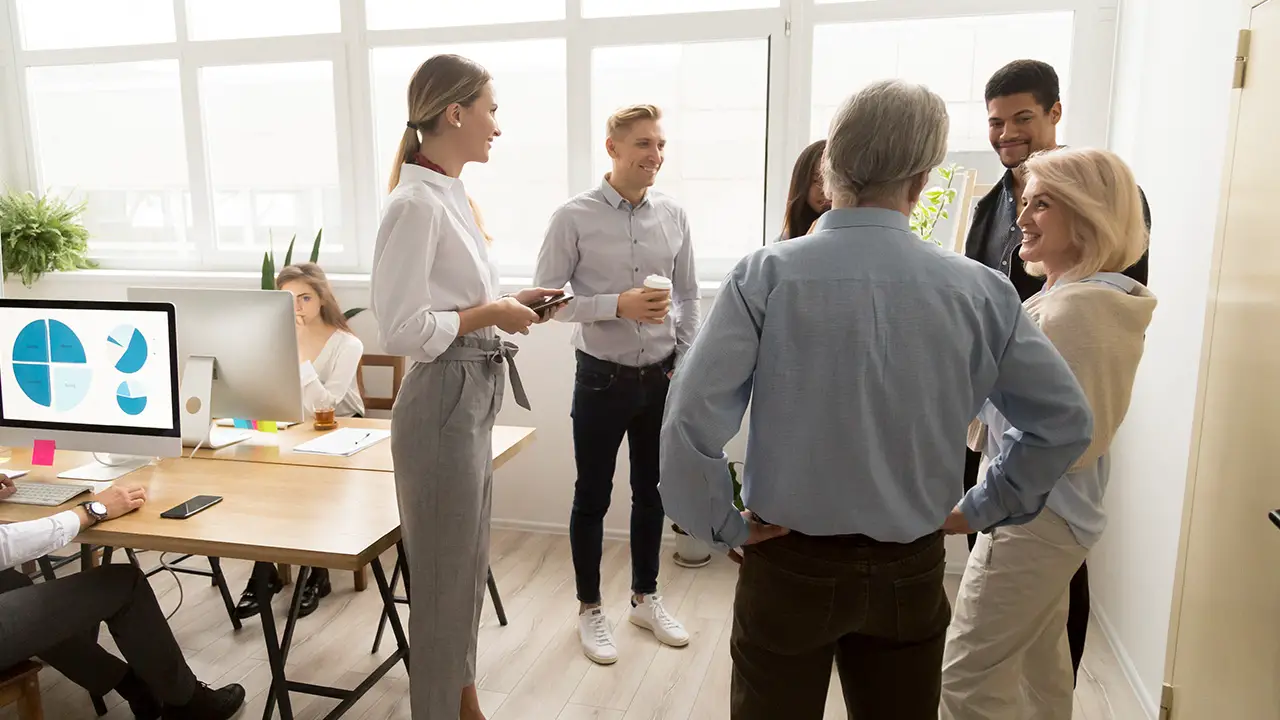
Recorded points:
(40, 235)
(692, 552)
(269, 267)
(933, 205)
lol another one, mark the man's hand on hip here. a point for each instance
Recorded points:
(957, 524)
(758, 533)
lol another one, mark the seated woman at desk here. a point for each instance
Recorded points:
(330, 356)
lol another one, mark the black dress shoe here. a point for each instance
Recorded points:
(248, 606)
(317, 587)
(208, 704)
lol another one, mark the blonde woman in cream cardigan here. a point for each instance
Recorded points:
(1006, 656)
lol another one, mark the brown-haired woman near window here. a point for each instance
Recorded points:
(329, 359)
(807, 199)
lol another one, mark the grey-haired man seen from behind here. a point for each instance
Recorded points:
(864, 353)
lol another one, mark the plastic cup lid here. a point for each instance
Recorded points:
(657, 282)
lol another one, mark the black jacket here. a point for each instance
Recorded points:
(984, 215)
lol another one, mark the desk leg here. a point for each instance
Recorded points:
(389, 605)
(219, 581)
(275, 657)
(291, 622)
(382, 619)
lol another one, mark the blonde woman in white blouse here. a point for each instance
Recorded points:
(329, 354)
(436, 298)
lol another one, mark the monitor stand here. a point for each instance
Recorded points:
(196, 405)
(100, 472)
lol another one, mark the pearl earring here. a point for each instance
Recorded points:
(457, 124)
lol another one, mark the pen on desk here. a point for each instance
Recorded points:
(361, 439)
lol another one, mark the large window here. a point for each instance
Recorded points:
(714, 97)
(201, 132)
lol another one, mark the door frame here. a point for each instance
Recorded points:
(1245, 10)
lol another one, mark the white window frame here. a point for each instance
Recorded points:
(789, 27)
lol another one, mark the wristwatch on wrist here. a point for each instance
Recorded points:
(95, 510)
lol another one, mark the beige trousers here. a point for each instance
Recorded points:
(1007, 656)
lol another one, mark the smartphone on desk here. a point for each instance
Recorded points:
(550, 305)
(191, 507)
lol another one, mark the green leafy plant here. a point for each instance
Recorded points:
(40, 235)
(269, 259)
(269, 267)
(933, 205)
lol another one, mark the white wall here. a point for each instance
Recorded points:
(1170, 123)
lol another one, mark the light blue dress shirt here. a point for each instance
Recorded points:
(603, 246)
(864, 353)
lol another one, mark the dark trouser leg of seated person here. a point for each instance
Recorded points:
(878, 609)
(54, 620)
(972, 461)
(248, 605)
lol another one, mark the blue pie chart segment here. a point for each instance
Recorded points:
(64, 344)
(70, 385)
(34, 381)
(128, 342)
(132, 397)
(32, 344)
(50, 366)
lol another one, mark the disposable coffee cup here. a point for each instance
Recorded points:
(657, 282)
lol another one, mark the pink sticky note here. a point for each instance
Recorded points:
(42, 452)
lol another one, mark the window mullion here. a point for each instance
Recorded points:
(203, 230)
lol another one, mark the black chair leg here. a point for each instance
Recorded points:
(497, 600)
(99, 705)
(46, 568)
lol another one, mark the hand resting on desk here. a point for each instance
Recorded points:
(7, 487)
(121, 500)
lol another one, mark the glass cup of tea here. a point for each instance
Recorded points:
(325, 419)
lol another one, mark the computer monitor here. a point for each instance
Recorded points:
(90, 375)
(239, 351)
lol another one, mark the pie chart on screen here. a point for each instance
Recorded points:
(49, 365)
(128, 348)
(131, 396)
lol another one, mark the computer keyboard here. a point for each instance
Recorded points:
(48, 494)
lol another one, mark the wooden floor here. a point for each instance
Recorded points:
(532, 669)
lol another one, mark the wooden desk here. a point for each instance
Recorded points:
(341, 514)
(334, 518)
(277, 448)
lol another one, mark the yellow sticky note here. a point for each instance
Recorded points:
(267, 426)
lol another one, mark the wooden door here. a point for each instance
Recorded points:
(1224, 656)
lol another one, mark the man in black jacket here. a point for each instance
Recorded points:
(1023, 110)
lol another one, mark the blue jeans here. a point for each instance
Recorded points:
(610, 401)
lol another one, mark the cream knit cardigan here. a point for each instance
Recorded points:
(1099, 331)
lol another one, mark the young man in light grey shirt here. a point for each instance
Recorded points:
(605, 243)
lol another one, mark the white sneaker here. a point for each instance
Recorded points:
(651, 615)
(597, 637)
